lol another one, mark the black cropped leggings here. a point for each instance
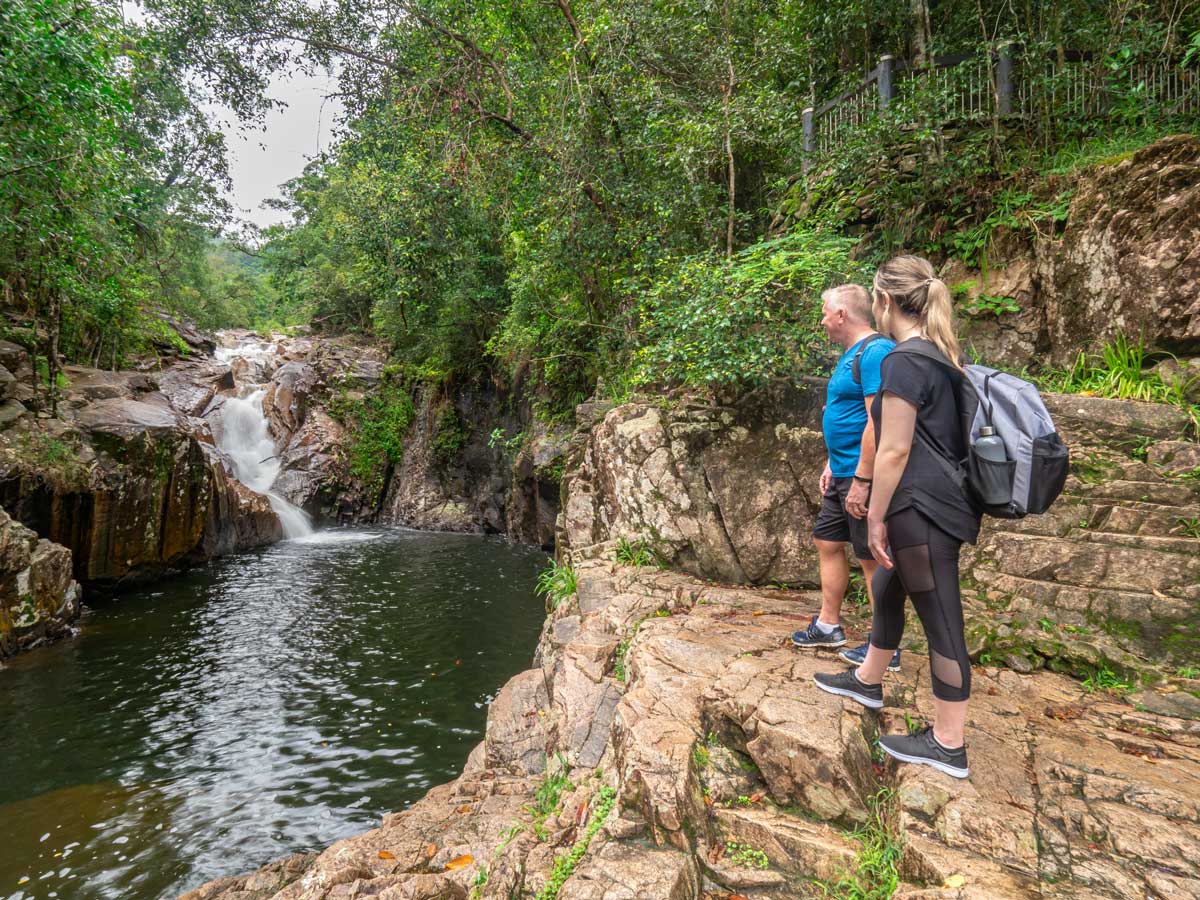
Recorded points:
(926, 569)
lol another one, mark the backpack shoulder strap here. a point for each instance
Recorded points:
(856, 366)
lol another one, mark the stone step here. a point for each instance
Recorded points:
(1186, 545)
(1092, 564)
(1144, 518)
(1162, 493)
(1067, 604)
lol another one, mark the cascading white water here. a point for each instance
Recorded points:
(242, 434)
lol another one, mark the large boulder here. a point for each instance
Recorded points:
(38, 597)
(130, 488)
(675, 479)
(287, 396)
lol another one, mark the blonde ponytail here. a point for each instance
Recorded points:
(917, 292)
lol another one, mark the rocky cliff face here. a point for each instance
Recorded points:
(1110, 577)
(127, 478)
(1125, 262)
(38, 597)
(474, 460)
(722, 492)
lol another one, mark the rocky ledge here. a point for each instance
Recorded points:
(670, 744)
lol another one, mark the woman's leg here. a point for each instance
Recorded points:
(929, 568)
(887, 624)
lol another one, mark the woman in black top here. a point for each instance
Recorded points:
(918, 517)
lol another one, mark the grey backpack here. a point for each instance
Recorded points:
(1037, 461)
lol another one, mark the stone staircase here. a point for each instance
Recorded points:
(1110, 576)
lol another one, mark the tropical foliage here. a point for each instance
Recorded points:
(562, 195)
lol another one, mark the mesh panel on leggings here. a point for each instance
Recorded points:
(916, 571)
(945, 669)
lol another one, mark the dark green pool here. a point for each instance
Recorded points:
(269, 703)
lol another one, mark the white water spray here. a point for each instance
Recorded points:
(242, 434)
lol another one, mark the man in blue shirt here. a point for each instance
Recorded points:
(846, 481)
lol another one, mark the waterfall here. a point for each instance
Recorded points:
(242, 434)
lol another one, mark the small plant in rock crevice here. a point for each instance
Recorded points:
(635, 553)
(557, 582)
(877, 868)
(746, 856)
(547, 798)
(1189, 527)
(1102, 678)
(565, 863)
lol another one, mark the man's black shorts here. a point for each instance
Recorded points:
(835, 524)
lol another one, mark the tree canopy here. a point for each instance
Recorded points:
(569, 191)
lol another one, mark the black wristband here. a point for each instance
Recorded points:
(859, 478)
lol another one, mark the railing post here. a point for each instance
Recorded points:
(810, 138)
(1004, 80)
(886, 64)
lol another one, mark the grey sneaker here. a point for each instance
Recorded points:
(924, 750)
(813, 636)
(856, 656)
(846, 684)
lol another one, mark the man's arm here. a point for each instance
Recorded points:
(860, 492)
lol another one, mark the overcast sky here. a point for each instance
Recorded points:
(262, 159)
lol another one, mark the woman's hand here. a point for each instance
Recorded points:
(877, 541)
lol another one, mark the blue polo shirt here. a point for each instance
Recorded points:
(845, 413)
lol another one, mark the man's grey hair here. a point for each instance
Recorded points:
(854, 299)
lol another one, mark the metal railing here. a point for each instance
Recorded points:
(983, 87)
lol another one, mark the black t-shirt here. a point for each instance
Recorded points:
(925, 485)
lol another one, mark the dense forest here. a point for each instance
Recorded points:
(572, 194)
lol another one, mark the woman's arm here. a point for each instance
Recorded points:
(898, 426)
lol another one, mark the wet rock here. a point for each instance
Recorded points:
(287, 396)
(191, 386)
(38, 597)
(124, 418)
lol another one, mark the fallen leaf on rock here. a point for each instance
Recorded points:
(738, 897)
(757, 796)
(459, 861)
(385, 854)
(758, 612)
(430, 851)
(1068, 713)
(465, 808)
(955, 881)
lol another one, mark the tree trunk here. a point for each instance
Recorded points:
(55, 326)
(728, 100)
(921, 37)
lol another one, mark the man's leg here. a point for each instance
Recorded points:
(830, 535)
(869, 567)
(835, 578)
(825, 629)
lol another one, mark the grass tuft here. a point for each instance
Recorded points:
(556, 583)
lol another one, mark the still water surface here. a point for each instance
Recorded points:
(271, 702)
